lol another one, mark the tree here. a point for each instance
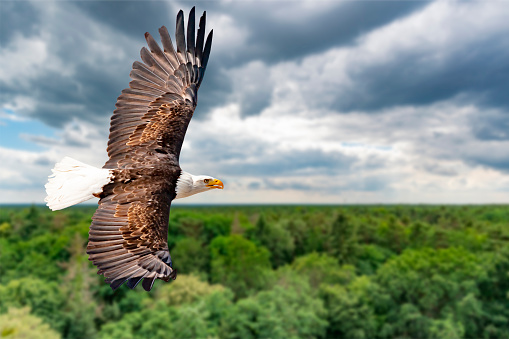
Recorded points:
(275, 238)
(44, 298)
(279, 313)
(320, 268)
(369, 257)
(185, 290)
(343, 239)
(80, 305)
(239, 264)
(18, 323)
(430, 289)
(186, 309)
(191, 256)
(352, 308)
(298, 230)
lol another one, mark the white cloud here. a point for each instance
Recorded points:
(22, 59)
(431, 41)
(420, 150)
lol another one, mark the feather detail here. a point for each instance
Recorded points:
(73, 182)
(190, 37)
(148, 283)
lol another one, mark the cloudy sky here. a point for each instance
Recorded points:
(302, 102)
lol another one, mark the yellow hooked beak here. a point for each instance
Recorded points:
(215, 183)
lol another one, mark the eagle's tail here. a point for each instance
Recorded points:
(73, 182)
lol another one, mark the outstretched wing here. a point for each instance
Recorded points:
(128, 235)
(152, 115)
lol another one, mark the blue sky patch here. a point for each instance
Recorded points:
(13, 129)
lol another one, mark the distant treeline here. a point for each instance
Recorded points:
(268, 272)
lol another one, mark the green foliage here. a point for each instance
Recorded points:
(352, 308)
(343, 239)
(191, 256)
(279, 313)
(271, 271)
(437, 292)
(198, 226)
(239, 264)
(429, 278)
(80, 305)
(45, 298)
(185, 290)
(5, 229)
(298, 229)
(18, 323)
(275, 238)
(370, 257)
(193, 309)
(321, 268)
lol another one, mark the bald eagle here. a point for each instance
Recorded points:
(128, 235)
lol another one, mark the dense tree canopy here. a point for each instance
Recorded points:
(268, 272)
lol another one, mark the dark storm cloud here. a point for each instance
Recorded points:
(491, 126)
(221, 150)
(437, 169)
(130, 17)
(17, 17)
(367, 184)
(273, 40)
(214, 90)
(93, 67)
(284, 163)
(476, 73)
(244, 157)
(491, 161)
(270, 40)
(294, 184)
(372, 162)
(89, 95)
(43, 161)
(254, 185)
(331, 185)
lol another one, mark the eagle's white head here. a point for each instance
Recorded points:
(188, 184)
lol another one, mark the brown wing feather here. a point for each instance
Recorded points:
(128, 235)
(161, 98)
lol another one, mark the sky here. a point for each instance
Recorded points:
(312, 102)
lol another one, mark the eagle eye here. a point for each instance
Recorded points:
(206, 181)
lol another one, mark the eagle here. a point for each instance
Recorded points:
(128, 237)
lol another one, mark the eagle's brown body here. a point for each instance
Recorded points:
(128, 235)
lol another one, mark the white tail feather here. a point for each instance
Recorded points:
(73, 182)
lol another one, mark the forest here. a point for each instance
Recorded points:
(268, 272)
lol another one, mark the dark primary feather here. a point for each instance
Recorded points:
(190, 36)
(180, 37)
(128, 235)
(206, 53)
(199, 40)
